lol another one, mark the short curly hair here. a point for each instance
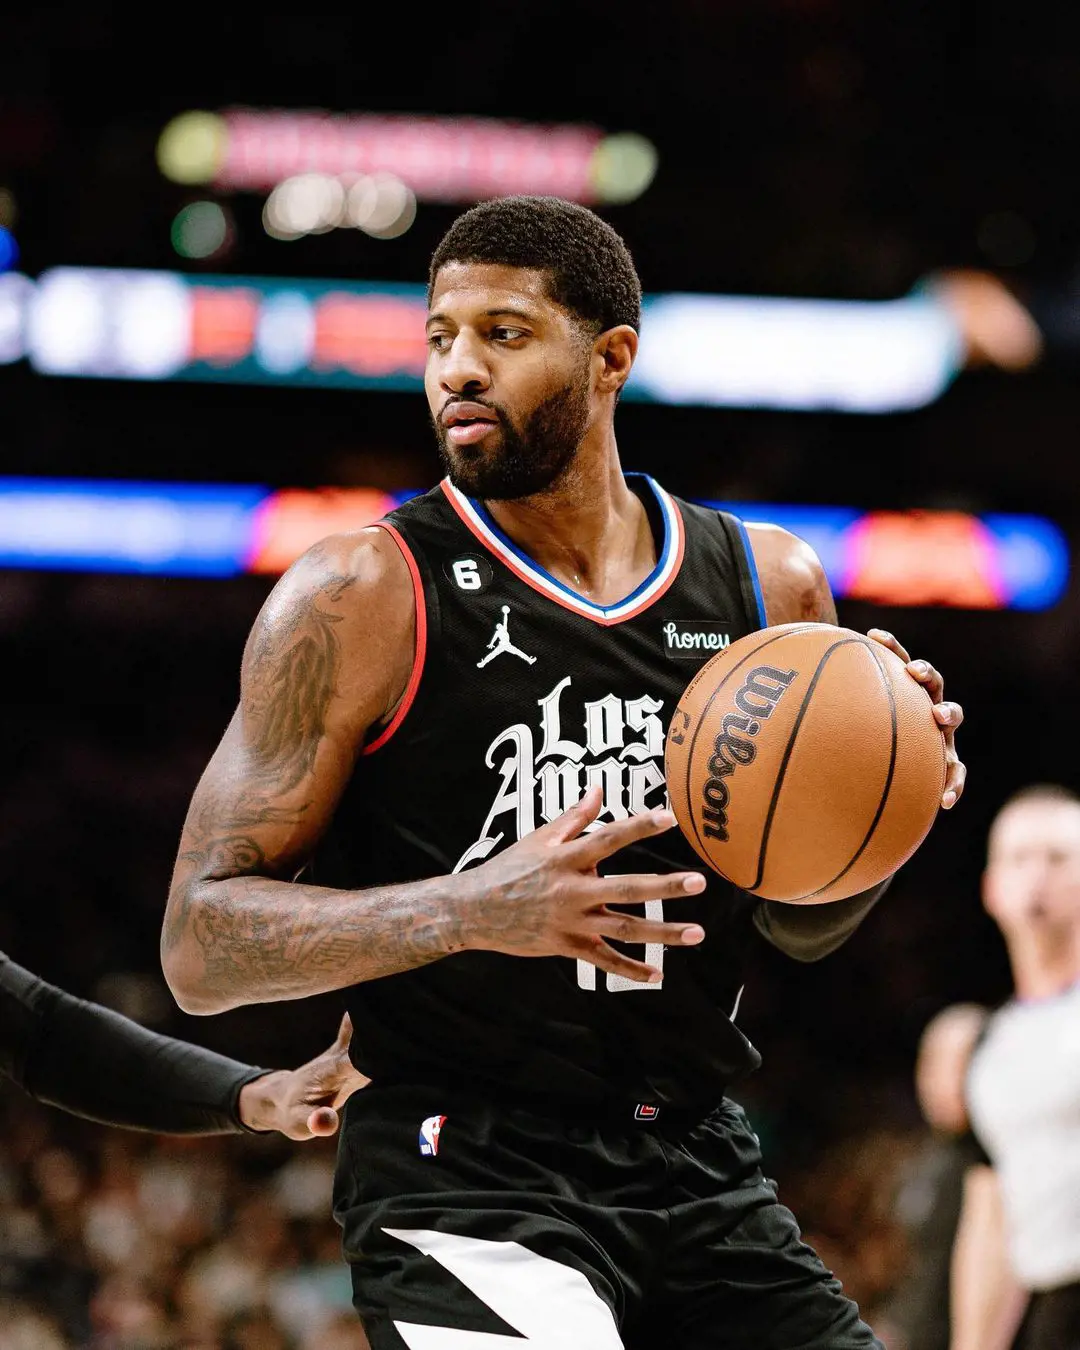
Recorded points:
(589, 268)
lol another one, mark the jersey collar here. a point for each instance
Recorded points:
(476, 517)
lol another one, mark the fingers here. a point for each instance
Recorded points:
(930, 679)
(631, 928)
(600, 844)
(344, 1035)
(955, 779)
(635, 889)
(576, 818)
(887, 640)
(599, 954)
(949, 716)
(322, 1122)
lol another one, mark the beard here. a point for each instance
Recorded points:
(529, 458)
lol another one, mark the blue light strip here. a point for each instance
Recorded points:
(181, 529)
(168, 529)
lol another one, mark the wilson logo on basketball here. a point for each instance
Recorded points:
(756, 700)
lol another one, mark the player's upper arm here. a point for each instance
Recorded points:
(327, 660)
(793, 581)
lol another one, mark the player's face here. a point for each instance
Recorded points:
(1032, 876)
(508, 380)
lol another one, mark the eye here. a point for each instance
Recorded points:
(503, 333)
(438, 342)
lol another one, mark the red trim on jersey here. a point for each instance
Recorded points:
(421, 641)
(509, 561)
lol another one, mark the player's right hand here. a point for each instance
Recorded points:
(543, 896)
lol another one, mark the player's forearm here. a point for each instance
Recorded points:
(251, 939)
(91, 1061)
(809, 932)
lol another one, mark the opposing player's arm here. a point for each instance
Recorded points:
(986, 1300)
(326, 664)
(795, 588)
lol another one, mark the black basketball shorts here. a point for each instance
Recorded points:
(474, 1223)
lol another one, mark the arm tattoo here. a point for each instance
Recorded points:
(292, 677)
(256, 931)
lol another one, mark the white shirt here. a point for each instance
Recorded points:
(1023, 1092)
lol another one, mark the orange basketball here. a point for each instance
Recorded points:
(804, 763)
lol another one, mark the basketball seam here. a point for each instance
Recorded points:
(785, 759)
(703, 715)
(884, 791)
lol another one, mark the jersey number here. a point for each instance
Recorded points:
(621, 984)
(467, 574)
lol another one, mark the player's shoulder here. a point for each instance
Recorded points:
(793, 579)
(360, 575)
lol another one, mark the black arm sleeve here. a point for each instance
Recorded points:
(95, 1063)
(809, 932)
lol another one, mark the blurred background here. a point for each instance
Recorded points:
(859, 239)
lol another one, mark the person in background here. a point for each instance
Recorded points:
(931, 1187)
(1018, 1239)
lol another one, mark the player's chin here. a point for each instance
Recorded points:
(475, 469)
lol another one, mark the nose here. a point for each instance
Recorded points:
(462, 369)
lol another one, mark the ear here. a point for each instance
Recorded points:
(616, 348)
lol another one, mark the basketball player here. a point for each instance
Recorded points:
(931, 1188)
(1019, 1234)
(545, 982)
(92, 1062)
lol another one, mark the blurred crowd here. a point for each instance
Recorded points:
(111, 1240)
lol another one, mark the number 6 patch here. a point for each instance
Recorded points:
(469, 573)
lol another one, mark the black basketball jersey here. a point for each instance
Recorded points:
(523, 694)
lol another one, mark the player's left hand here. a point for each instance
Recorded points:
(303, 1103)
(948, 715)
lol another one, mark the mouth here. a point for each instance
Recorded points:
(467, 423)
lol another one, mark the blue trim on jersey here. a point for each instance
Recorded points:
(752, 566)
(525, 560)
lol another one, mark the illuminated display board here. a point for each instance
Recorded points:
(703, 350)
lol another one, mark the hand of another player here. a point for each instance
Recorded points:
(303, 1103)
(544, 896)
(949, 715)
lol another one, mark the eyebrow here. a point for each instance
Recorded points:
(495, 313)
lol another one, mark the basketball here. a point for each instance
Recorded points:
(804, 763)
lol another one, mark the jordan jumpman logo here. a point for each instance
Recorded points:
(500, 642)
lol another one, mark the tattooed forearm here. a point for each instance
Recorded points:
(260, 940)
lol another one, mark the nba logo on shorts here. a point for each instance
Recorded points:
(646, 1111)
(429, 1136)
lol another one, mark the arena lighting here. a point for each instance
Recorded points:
(911, 558)
(9, 249)
(703, 350)
(380, 204)
(441, 159)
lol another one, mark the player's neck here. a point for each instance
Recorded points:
(589, 530)
(1044, 964)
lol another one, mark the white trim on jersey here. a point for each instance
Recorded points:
(524, 567)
